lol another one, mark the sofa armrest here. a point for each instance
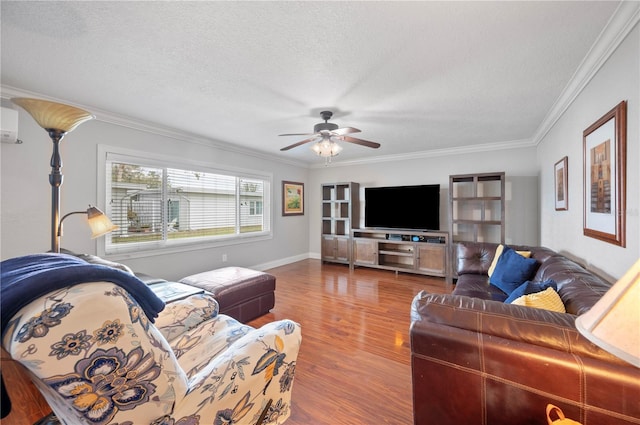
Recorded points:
(501, 364)
(528, 325)
(474, 258)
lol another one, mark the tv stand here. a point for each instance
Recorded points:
(402, 251)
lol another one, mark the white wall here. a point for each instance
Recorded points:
(521, 186)
(617, 80)
(26, 197)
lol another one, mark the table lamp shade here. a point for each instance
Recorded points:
(613, 323)
(99, 223)
(52, 115)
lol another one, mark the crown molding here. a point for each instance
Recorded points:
(621, 23)
(461, 150)
(7, 92)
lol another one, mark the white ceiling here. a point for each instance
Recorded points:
(413, 76)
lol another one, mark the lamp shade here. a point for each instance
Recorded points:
(613, 323)
(52, 115)
(99, 223)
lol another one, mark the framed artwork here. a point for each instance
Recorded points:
(561, 186)
(605, 158)
(292, 198)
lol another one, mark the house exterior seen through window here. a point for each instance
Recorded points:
(157, 206)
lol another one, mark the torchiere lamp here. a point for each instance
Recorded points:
(57, 120)
(613, 323)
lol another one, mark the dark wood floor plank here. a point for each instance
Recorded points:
(354, 362)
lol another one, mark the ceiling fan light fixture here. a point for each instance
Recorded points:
(326, 148)
(330, 134)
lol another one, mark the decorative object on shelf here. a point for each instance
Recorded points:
(326, 135)
(561, 184)
(605, 157)
(292, 198)
(98, 222)
(613, 322)
(57, 120)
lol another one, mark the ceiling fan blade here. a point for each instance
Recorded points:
(345, 130)
(297, 134)
(361, 142)
(301, 142)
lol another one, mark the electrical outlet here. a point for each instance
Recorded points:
(224, 258)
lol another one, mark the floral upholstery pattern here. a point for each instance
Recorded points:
(98, 359)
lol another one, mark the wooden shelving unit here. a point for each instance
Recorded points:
(476, 209)
(402, 251)
(340, 214)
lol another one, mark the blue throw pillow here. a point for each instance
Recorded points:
(530, 287)
(512, 270)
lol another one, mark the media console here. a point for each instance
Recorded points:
(402, 251)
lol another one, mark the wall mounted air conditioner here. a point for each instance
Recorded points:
(9, 125)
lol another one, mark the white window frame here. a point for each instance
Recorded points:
(111, 153)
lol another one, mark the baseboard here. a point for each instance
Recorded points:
(284, 261)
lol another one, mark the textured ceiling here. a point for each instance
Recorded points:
(413, 76)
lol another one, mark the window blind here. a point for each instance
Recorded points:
(156, 206)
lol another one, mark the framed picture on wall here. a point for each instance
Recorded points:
(292, 198)
(561, 186)
(605, 158)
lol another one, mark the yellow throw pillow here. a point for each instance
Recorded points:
(547, 299)
(499, 248)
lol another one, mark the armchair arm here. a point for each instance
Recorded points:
(255, 372)
(183, 315)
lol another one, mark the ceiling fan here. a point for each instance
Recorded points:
(326, 135)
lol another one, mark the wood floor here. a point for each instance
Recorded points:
(353, 367)
(354, 362)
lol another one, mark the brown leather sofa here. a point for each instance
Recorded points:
(476, 360)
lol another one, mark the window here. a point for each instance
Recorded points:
(159, 205)
(255, 207)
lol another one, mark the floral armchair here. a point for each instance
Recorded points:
(97, 358)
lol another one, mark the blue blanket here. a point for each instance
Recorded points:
(24, 279)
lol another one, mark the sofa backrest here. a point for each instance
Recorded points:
(578, 288)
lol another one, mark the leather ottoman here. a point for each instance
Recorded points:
(242, 293)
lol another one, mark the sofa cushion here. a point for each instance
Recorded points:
(496, 256)
(512, 270)
(530, 287)
(547, 299)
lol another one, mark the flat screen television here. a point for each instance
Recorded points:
(402, 207)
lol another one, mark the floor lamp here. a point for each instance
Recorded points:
(58, 120)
